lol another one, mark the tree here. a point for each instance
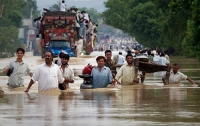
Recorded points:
(162, 23)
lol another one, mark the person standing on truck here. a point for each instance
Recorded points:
(79, 46)
(63, 6)
(20, 68)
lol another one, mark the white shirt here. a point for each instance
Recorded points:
(47, 77)
(121, 60)
(86, 16)
(163, 61)
(176, 78)
(156, 58)
(67, 73)
(62, 7)
(127, 73)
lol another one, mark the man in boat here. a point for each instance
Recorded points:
(127, 72)
(175, 76)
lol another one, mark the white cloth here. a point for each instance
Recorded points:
(79, 47)
(47, 77)
(163, 61)
(176, 78)
(156, 58)
(86, 16)
(120, 61)
(62, 7)
(59, 63)
(127, 74)
(167, 57)
(67, 73)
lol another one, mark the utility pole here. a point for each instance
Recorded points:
(28, 42)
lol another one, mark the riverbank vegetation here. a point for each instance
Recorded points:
(158, 23)
(12, 13)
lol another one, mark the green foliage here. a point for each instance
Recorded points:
(26, 10)
(158, 23)
(13, 12)
(9, 41)
(55, 7)
(16, 18)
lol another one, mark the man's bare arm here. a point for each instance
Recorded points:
(29, 86)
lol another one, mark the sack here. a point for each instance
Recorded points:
(10, 71)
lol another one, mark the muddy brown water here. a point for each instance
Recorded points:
(150, 103)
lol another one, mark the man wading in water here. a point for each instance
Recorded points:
(20, 68)
(47, 74)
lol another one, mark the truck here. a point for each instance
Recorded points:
(57, 31)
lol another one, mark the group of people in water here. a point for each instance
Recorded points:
(50, 75)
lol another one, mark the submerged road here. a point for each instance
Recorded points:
(150, 103)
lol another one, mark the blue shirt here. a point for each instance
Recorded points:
(102, 78)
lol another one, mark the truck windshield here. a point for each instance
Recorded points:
(59, 44)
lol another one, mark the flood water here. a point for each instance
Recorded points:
(150, 103)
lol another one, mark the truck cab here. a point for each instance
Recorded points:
(58, 30)
(54, 47)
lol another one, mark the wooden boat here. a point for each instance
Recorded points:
(150, 68)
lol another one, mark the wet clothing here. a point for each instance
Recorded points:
(127, 74)
(176, 78)
(102, 78)
(67, 73)
(111, 65)
(47, 77)
(20, 69)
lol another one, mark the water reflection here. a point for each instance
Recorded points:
(105, 107)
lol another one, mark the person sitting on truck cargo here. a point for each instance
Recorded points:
(79, 46)
(63, 6)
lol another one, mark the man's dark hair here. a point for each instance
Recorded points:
(60, 47)
(129, 55)
(176, 64)
(20, 49)
(63, 1)
(101, 57)
(149, 52)
(108, 51)
(61, 55)
(50, 52)
(66, 56)
(162, 54)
